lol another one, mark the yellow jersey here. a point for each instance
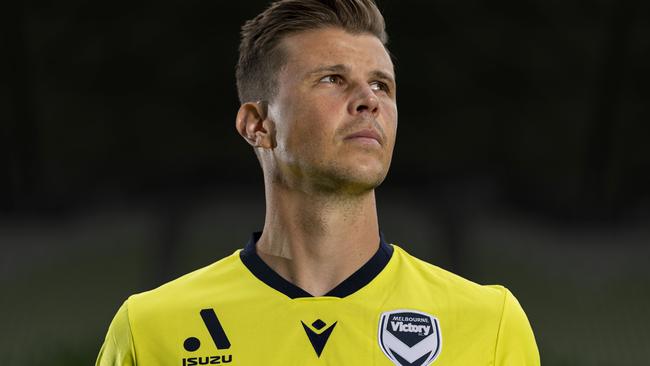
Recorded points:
(395, 310)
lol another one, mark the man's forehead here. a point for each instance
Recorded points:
(337, 50)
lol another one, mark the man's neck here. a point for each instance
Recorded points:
(317, 241)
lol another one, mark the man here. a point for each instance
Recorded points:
(319, 286)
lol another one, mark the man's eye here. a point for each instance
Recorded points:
(379, 86)
(331, 79)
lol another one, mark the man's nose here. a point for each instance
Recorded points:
(364, 100)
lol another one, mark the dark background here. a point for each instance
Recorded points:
(521, 159)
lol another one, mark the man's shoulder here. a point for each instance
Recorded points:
(443, 284)
(484, 315)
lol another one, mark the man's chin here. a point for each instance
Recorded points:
(353, 184)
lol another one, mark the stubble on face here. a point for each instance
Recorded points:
(313, 118)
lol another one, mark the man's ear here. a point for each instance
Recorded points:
(254, 125)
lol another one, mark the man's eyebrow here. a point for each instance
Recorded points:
(338, 68)
(379, 74)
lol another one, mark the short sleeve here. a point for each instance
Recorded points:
(117, 349)
(515, 342)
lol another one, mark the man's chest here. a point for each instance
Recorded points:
(309, 332)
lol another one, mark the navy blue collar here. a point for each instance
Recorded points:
(350, 285)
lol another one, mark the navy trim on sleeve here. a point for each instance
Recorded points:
(350, 285)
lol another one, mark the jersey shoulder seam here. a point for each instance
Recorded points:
(503, 311)
(130, 324)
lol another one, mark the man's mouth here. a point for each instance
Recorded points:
(367, 136)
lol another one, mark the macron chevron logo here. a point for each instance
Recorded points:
(317, 336)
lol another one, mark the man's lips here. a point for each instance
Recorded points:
(365, 135)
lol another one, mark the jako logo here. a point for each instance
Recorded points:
(218, 336)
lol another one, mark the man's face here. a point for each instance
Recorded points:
(335, 112)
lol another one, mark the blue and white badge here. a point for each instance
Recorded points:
(409, 337)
